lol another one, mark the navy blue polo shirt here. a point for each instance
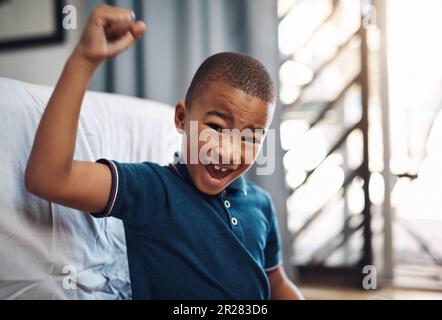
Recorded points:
(184, 244)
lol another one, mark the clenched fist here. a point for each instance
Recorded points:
(109, 31)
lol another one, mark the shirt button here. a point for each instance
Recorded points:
(223, 193)
(227, 204)
(234, 221)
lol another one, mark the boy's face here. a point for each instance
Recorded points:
(221, 157)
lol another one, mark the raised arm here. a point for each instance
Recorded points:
(51, 172)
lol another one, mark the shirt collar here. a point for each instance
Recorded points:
(239, 184)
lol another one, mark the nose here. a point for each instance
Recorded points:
(228, 152)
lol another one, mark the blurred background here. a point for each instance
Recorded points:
(358, 179)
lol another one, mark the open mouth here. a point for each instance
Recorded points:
(217, 172)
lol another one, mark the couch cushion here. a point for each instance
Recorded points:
(43, 245)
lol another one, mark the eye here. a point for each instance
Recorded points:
(215, 127)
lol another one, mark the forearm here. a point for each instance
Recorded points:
(286, 290)
(281, 286)
(54, 145)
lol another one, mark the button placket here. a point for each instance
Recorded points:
(233, 221)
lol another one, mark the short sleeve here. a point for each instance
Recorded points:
(272, 251)
(136, 192)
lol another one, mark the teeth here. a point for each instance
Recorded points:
(218, 168)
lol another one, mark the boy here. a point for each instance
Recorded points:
(193, 229)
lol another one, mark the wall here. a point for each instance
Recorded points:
(41, 64)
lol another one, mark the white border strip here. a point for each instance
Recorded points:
(114, 168)
(273, 268)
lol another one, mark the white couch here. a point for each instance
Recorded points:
(44, 245)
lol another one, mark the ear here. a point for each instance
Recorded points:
(180, 115)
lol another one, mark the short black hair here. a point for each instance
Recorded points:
(237, 70)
